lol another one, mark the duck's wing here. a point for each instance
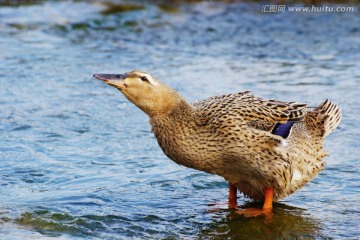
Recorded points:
(245, 108)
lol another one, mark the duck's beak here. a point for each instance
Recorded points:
(115, 80)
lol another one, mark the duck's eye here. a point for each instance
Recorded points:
(144, 79)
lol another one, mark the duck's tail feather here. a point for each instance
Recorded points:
(304, 145)
(323, 119)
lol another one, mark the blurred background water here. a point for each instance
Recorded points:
(78, 161)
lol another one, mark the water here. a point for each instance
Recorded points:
(79, 162)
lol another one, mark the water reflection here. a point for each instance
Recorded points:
(285, 222)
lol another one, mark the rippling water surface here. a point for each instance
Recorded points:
(79, 162)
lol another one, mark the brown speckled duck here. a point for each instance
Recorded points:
(266, 149)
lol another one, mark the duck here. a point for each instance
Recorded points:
(264, 148)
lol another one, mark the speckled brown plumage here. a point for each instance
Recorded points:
(232, 135)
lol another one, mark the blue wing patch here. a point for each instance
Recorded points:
(283, 129)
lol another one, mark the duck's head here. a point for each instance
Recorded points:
(146, 92)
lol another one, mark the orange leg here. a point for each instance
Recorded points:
(268, 192)
(232, 196)
(266, 210)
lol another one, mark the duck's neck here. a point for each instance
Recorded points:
(173, 131)
(177, 114)
(173, 106)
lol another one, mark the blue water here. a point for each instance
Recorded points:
(78, 161)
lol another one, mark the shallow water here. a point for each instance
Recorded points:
(79, 162)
